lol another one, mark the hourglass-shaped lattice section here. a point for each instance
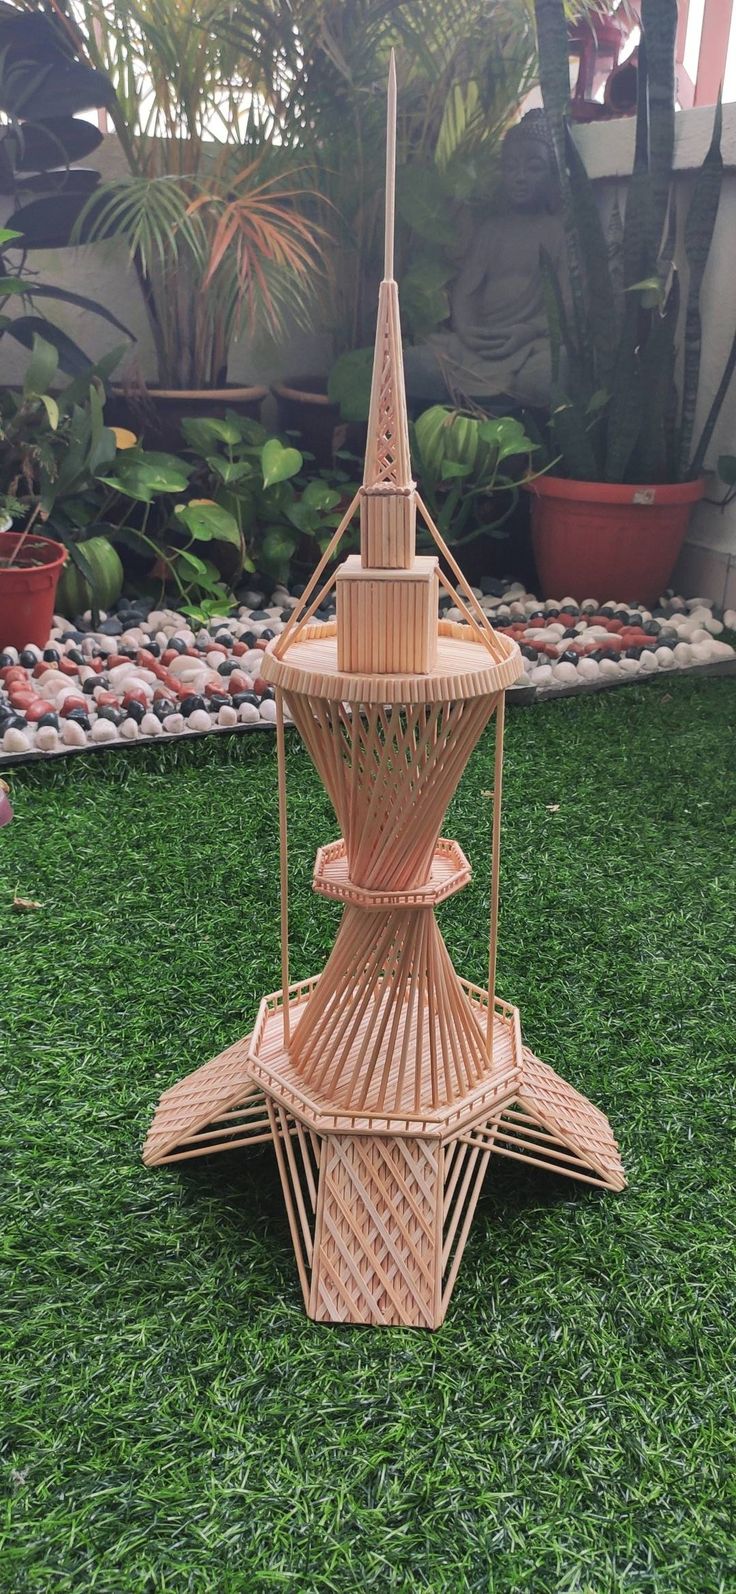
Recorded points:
(391, 773)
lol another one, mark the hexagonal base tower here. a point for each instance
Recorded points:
(386, 1083)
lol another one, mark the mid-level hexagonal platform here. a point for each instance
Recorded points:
(449, 872)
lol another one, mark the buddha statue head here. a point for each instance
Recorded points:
(528, 164)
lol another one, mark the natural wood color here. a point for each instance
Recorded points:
(387, 619)
(495, 867)
(283, 857)
(387, 1082)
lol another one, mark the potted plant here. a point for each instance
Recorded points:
(212, 213)
(611, 514)
(462, 80)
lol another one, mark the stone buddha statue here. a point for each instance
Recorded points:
(496, 350)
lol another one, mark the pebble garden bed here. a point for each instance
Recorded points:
(146, 672)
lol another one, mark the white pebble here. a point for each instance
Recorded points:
(648, 663)
(47, 738)
(104, 731)
(174, 724)
(664, 659)
(566, 674)
(713, 625)
(252, 662)
(722, 650)
(628, 666)
(213, 660)
(199, 720)
(729, 619)
(151, 726)
(129, 729)
(30, 647)
(541, 675)
(682, 653)
(268, 711)
(16, 741)
(72, 734)
(609, 670)
(248, 714)
(589, 606)
(12, 654)
(589, 669)
(119, 673)
(227, 715)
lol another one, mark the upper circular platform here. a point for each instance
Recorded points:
(465, 669)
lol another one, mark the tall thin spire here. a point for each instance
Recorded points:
(387, 460)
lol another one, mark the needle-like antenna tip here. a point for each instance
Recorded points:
(388, 268)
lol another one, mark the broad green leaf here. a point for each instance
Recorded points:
(279, 463)
(192, 561)
(202, 432)
(229, 471)
(6, 233)
(349, 384)
(319, 495)
(450, 468)
(52, 410)
(42, 368)
(206, 521)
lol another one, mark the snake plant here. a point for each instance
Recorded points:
(617, 412)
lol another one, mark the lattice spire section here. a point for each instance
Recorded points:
(387, 459)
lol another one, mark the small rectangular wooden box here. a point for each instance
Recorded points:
(387, 619)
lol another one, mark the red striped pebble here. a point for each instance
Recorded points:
(135, 694)
(168, 656)
(106, 699)
(73, 701)
(238, 649)
(21, 697)
(259, 685)
(35, 709)
(67, 667)
(239, 682)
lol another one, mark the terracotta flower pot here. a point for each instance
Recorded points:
(606, 539)
(28, 589)
(155, 413)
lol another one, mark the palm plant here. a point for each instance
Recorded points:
(464, 66)
(617, 414)
(213, 214)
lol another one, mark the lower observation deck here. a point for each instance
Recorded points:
(465, 668)
(270, 1065)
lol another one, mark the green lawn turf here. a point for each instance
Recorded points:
(174, 1422)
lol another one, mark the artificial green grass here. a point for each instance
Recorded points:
(174, 1422)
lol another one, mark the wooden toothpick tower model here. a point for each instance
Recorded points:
(386, 1082)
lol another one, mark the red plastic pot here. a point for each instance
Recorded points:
(28, 589)
(608, 540)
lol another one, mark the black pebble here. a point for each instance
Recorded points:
(257, 614)
(189, 704)
(268, 636)
(490, 586)
(89, 685)
(202, 647)
(286, 614)
(176, 643)
(650, 628)
(297, 587)
(568, 657)
(28, 659)
(633, 653)
(570, 608)
(114, 715)
(551, 614)
(536, 614)
(162, 708)
(17, 722)
(76, 655)
(153, 648)
(529, 653)
(668, 641)
(72, 636)
(268, 692)
(134, 711)
(51, 655)
(128, 653)
(608, 610)
(249, 638)
(81, 717)
(224, 638)
(227, 666)
(49, 719)
(570, 631)
(112, 626)
(217, 699)
(6, 659)
(245, 697)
